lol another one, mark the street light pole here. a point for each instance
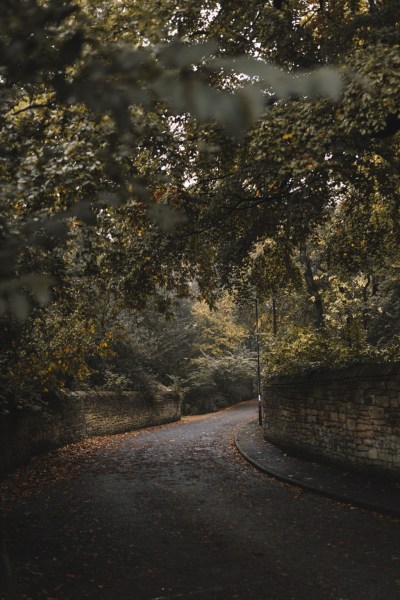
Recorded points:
(258, 368)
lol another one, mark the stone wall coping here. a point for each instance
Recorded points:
(326, 374)
(160, 391)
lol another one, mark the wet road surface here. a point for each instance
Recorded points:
(175, 512)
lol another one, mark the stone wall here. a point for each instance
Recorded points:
(107, 413)
(73, 417)
(347, 416)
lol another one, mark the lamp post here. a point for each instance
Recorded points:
(258, 368)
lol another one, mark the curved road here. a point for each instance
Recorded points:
(175, 512)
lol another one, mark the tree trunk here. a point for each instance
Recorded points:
(365, 299)
(274, 318)
(312, 289)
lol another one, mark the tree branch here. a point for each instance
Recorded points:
(32, 107)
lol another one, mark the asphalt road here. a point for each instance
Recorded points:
(175, 512)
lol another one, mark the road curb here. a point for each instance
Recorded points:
(347, 499)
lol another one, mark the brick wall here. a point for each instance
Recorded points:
(348, 416)
(79, 415)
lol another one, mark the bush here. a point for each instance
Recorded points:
(219, 381)
(303, 348)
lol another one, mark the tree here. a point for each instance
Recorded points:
(281, 178)
(222, 364)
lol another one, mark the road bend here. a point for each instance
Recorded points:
(175, 512)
